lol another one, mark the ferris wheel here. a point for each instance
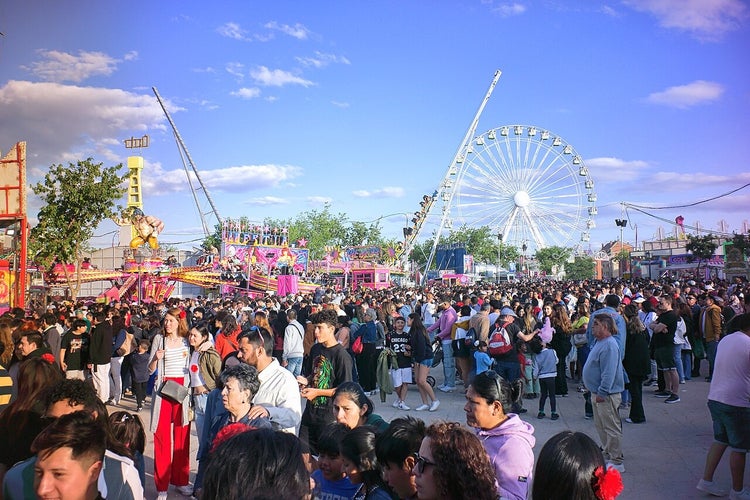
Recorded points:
(527, 184)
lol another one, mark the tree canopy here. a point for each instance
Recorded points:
(76, 198)
(582, 268)
(700, 248)
(552, 257)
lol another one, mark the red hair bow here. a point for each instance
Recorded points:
(182, 314)
(607, 483)
(49, 358)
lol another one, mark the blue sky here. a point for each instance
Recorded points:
(285, 106)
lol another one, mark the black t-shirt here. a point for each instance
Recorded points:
(665, 339)
(76, 350)
(326, 368)
(398, 341)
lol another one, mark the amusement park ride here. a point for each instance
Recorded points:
(525, 182)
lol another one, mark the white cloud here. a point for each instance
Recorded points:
(318, 200)
(233, 31)
(57, 66)
(297, 31)
(264, 201)
(277, 78)
(340, 104)
(131, 56)
(247, 93)
(64, 120)
(236, 69)
(609, 11)
(157, 181)
(607, 170)
(385, 192)
(705, 19)
(685, 96)
(509, 9)
(320, 60)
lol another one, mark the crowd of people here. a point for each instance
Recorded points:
(279, 389)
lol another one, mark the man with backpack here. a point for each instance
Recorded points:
(502, 348)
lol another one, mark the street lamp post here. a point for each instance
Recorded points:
(499, 247)
(139, 257)
(622, 224)
(524, 247)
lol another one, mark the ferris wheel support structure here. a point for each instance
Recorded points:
(452, 178)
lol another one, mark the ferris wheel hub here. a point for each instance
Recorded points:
(521, 199)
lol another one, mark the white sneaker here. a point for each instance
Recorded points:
(447, 388)
(397, 403)
(441, 386)
(711, 488)
(434, 405)
(618, 467)
(422, 407)
(402, 406)
(162, 495)
(739, 495)
(186, 490)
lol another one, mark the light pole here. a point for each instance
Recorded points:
(622, 224)
(139, 260)
(499, 247)
(524, 247)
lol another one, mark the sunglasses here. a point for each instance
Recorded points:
(421, 462)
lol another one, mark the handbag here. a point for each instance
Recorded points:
(169, 388)
(172, 390)
(357, 346)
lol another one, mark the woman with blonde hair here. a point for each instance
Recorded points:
(170, 354)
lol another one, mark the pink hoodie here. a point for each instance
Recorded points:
(510, 449)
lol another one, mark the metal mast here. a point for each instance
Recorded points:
(455, 172)
(184, 153)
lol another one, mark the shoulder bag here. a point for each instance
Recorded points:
(169, 388)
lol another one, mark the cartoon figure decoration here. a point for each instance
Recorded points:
(546, 332)
(146, 227)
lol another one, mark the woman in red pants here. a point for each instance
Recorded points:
(170, 354)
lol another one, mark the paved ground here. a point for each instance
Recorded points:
(664, 457)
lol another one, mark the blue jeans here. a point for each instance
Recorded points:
(678, 361)
(199, 408)
(687, 363)
(711, 355)
(449, 365)
(509, 370)
(294, 365)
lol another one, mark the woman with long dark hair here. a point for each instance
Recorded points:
(421, 355)
(361, 464)
(507, 439)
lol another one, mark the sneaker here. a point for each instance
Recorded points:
(624, 406)
(402, 406)
(673, 398)
(588, 416)
(441, 387)
(682, 381)
(631, 421)
(618, 467)
(434, 405)
(422, 407)
(162, 495)
(662, 394)
(540, 415)
(554, 416)
(138, 408)
(186, 490)
(447, 388)
(522, 410)
(648, 382)
(711, 488)
(740, 495)
(396, 403)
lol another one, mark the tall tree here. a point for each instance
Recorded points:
(742, 243)
(700, 248)
(582, 268)
(76, 198)
(553, 257)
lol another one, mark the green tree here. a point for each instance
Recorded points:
(582, 268)
(700, 248)
(553, 257)
(76, 198)
(742, 243)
